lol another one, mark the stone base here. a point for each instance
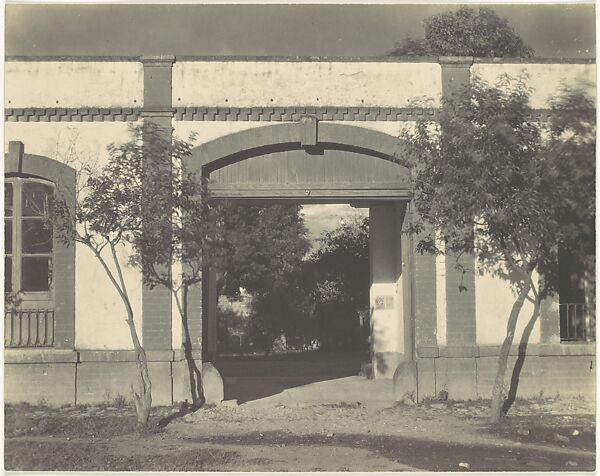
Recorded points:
(89, 377)
(56, 377)
(473, 377)
(405, 382)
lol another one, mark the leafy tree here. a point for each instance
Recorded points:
(179, 232)
(284, 310)
(262, 244)
(465, 32)
(339, 274)
(144, 200)
(486, 168)
(107, 213)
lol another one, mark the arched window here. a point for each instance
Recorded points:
(39, 270)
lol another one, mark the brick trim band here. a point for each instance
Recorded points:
(293, 113)
(263, 114)
(78, 114)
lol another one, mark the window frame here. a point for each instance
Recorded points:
(34, 298)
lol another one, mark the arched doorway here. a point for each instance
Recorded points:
(320, 162)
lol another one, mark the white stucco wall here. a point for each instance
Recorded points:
(99, 322)
(493, 302)
(543, 78)
(73, 84)
(210, 130)
(393, 128)
(256, 83)
(387, 319)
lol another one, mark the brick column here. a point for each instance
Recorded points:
(460, 284)
(195, 312)
(424, 295)
(156, 303)
(404, 265)
(203, 325)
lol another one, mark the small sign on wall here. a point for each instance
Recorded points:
(384, 302)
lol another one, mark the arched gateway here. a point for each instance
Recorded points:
(319, 162)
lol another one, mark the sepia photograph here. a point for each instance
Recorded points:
(300, 237)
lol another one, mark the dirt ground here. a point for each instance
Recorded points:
(540, 435)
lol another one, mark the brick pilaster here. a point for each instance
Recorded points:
(456, 72)
(460, 283)
(195, 311)
(460, 301)
(425, 300)
(156, 303)
(424, 295)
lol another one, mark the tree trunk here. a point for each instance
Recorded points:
(516, 373)
(498, 389)
(142, 397)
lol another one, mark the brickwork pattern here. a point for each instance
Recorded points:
(460, 302)
(425, 299)
(157, 302)
(195, 314)
(156, 323)
(207, 113)
(77, 114)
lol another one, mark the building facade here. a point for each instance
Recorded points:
(310, 130)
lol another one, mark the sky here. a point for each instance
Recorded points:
(557, 30)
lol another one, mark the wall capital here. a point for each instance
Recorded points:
(158, 61)
(456, 61)
(157, 112)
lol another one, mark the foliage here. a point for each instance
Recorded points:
(176, 231)
(232, 328)
(466, 32)
(318, 301)
(339, 272)
(175, 222)
(145, 204)
(12, 301)
(262, 245)
(572, 146)
(282, 312)
(106, 217)
(486, 167)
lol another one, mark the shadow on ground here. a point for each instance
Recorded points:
(553, 430)
(426, 454)
(94, 456)
(247, 378)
